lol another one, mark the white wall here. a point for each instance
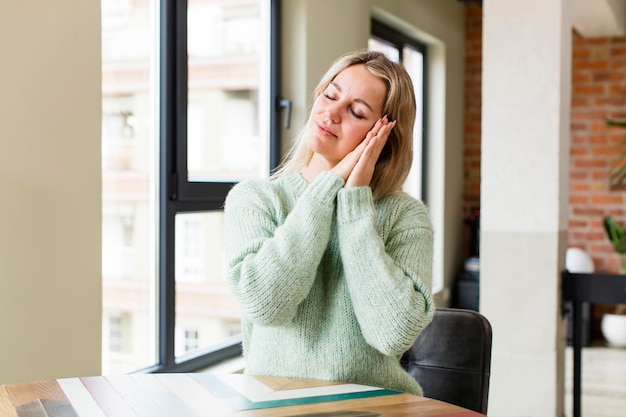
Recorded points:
(524, 200)
(317, 32)
(50, 285)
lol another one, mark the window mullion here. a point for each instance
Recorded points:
(169, 109)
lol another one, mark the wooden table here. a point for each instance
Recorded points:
(211, 395)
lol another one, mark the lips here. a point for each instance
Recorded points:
(324, 130)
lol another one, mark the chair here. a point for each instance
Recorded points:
(451, 358)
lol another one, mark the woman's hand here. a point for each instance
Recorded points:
(357, 168)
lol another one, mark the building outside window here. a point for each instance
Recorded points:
(116, 333)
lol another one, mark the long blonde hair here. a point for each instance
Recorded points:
(395, 159)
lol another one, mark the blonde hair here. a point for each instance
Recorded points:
(396, 157)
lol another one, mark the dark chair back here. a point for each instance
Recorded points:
(451, 358)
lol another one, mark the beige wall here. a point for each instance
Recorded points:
(317, 32)
(50, 287)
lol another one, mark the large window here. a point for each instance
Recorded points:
(411, 53)
(188, 110)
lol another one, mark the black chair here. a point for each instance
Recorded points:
(451, 358)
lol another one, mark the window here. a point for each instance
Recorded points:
(412, 54)
(118, 343)
(116, 334)
(187, 340)
(403, 46)
(180, 127)
(191, 340)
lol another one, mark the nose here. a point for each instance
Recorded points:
(332, 112)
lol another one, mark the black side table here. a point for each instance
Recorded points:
(578, 289)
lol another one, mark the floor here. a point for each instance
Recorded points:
(603, 382)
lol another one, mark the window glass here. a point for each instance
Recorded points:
(226, 65)
(128, 176)
(413, 61)
(206, 310)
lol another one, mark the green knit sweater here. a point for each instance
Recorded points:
(333, 285)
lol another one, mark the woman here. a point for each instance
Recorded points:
(330, 261)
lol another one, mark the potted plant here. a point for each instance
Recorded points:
(613, 323)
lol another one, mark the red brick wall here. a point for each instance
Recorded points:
(598, 91)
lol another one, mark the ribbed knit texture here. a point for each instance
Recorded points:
(333, 285)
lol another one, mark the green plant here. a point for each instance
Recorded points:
(617, 237)
(617, 176)
(616, 234)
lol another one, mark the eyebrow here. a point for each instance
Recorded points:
(358, 100)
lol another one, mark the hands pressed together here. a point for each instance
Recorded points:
(357, 167)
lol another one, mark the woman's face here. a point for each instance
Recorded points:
(344, 113)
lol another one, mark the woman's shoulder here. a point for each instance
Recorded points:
(400, 207)
(404, 200)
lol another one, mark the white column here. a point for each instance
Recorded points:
(524, 200)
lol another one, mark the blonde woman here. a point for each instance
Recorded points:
(330, 260)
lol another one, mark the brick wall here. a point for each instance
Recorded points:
(598, 92)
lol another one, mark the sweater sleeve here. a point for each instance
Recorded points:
(389, 281)
(272, 263)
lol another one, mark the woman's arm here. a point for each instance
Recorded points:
(272, 264)
(389, 281)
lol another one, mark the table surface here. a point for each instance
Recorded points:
(211, 395)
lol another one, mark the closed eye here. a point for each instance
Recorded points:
(357, 115)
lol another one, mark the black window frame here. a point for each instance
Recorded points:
(393, 37)
(178, 195)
